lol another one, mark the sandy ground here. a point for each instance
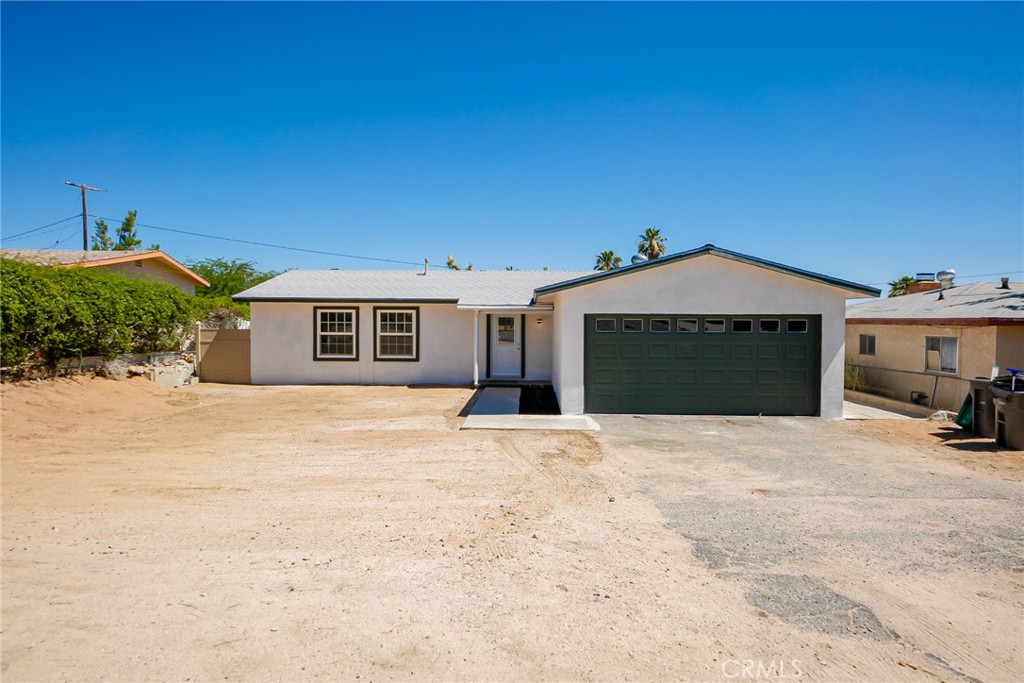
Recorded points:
(347, 533)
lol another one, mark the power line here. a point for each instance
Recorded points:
(49, 225)
(272, 246)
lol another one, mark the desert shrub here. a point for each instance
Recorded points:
(54, 313)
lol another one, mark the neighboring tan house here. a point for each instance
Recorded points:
(150, 264)
(707, 331)
(924, 347)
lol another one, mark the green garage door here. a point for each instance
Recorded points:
(702, 364)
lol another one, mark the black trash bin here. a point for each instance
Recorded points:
(1008, 400)
(984, 422)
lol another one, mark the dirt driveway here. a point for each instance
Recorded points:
(349, 533)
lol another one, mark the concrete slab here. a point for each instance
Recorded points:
(861, 411)
(498, 408)
(574, 423)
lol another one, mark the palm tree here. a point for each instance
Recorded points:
(652, 244)
(899, 287)
(452, 265)
(607, 260)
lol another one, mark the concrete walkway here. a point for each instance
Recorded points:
(498, 408)
(861, 411)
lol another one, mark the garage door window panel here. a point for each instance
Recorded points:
(769, 326)
(633, 325)
(604, 325)
(686, 326)
(714, 325)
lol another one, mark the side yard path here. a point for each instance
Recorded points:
(344, 533)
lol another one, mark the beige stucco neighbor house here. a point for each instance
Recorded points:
(925, 346)
(707, 331)
(149, 264)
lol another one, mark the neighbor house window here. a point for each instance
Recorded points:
(940, 354)
(867, 344)
(397, 333)
(336, 337)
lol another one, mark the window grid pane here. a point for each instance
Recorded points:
(337, 334)
(396, 332)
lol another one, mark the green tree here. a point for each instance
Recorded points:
(652, 243)
(228, 278)
(607, 260)
(899, 287)
(127, 238)
(101, 236)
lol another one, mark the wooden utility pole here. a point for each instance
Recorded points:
(85, 213)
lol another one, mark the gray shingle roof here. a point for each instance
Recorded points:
(976, 301)
(60, 257)
(466, 287)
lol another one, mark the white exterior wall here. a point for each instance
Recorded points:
(282, 340)
(151, 269)
(703, 285)
(282, 347)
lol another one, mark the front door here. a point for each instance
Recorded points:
(506, 346)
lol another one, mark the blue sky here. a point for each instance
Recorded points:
(863, 140)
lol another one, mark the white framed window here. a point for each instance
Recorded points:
(661, 325)
(336, 336)
(396, 333)
(604, 325)
(940, 354)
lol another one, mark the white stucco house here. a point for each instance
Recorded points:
(706, 331)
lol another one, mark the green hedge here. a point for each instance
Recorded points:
(53, 313)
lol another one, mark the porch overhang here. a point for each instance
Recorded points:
(509, 308)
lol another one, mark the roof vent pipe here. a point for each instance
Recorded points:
(426, 265)
(1004, 283)
(946, 277)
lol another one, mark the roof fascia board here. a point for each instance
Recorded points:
(507, 307)
(129, 258)
(330, 300)
(710, 250)
(938, 322)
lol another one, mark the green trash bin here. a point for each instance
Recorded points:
(1008, 400)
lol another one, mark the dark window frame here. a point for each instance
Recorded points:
(415, 310)
(317, 355)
